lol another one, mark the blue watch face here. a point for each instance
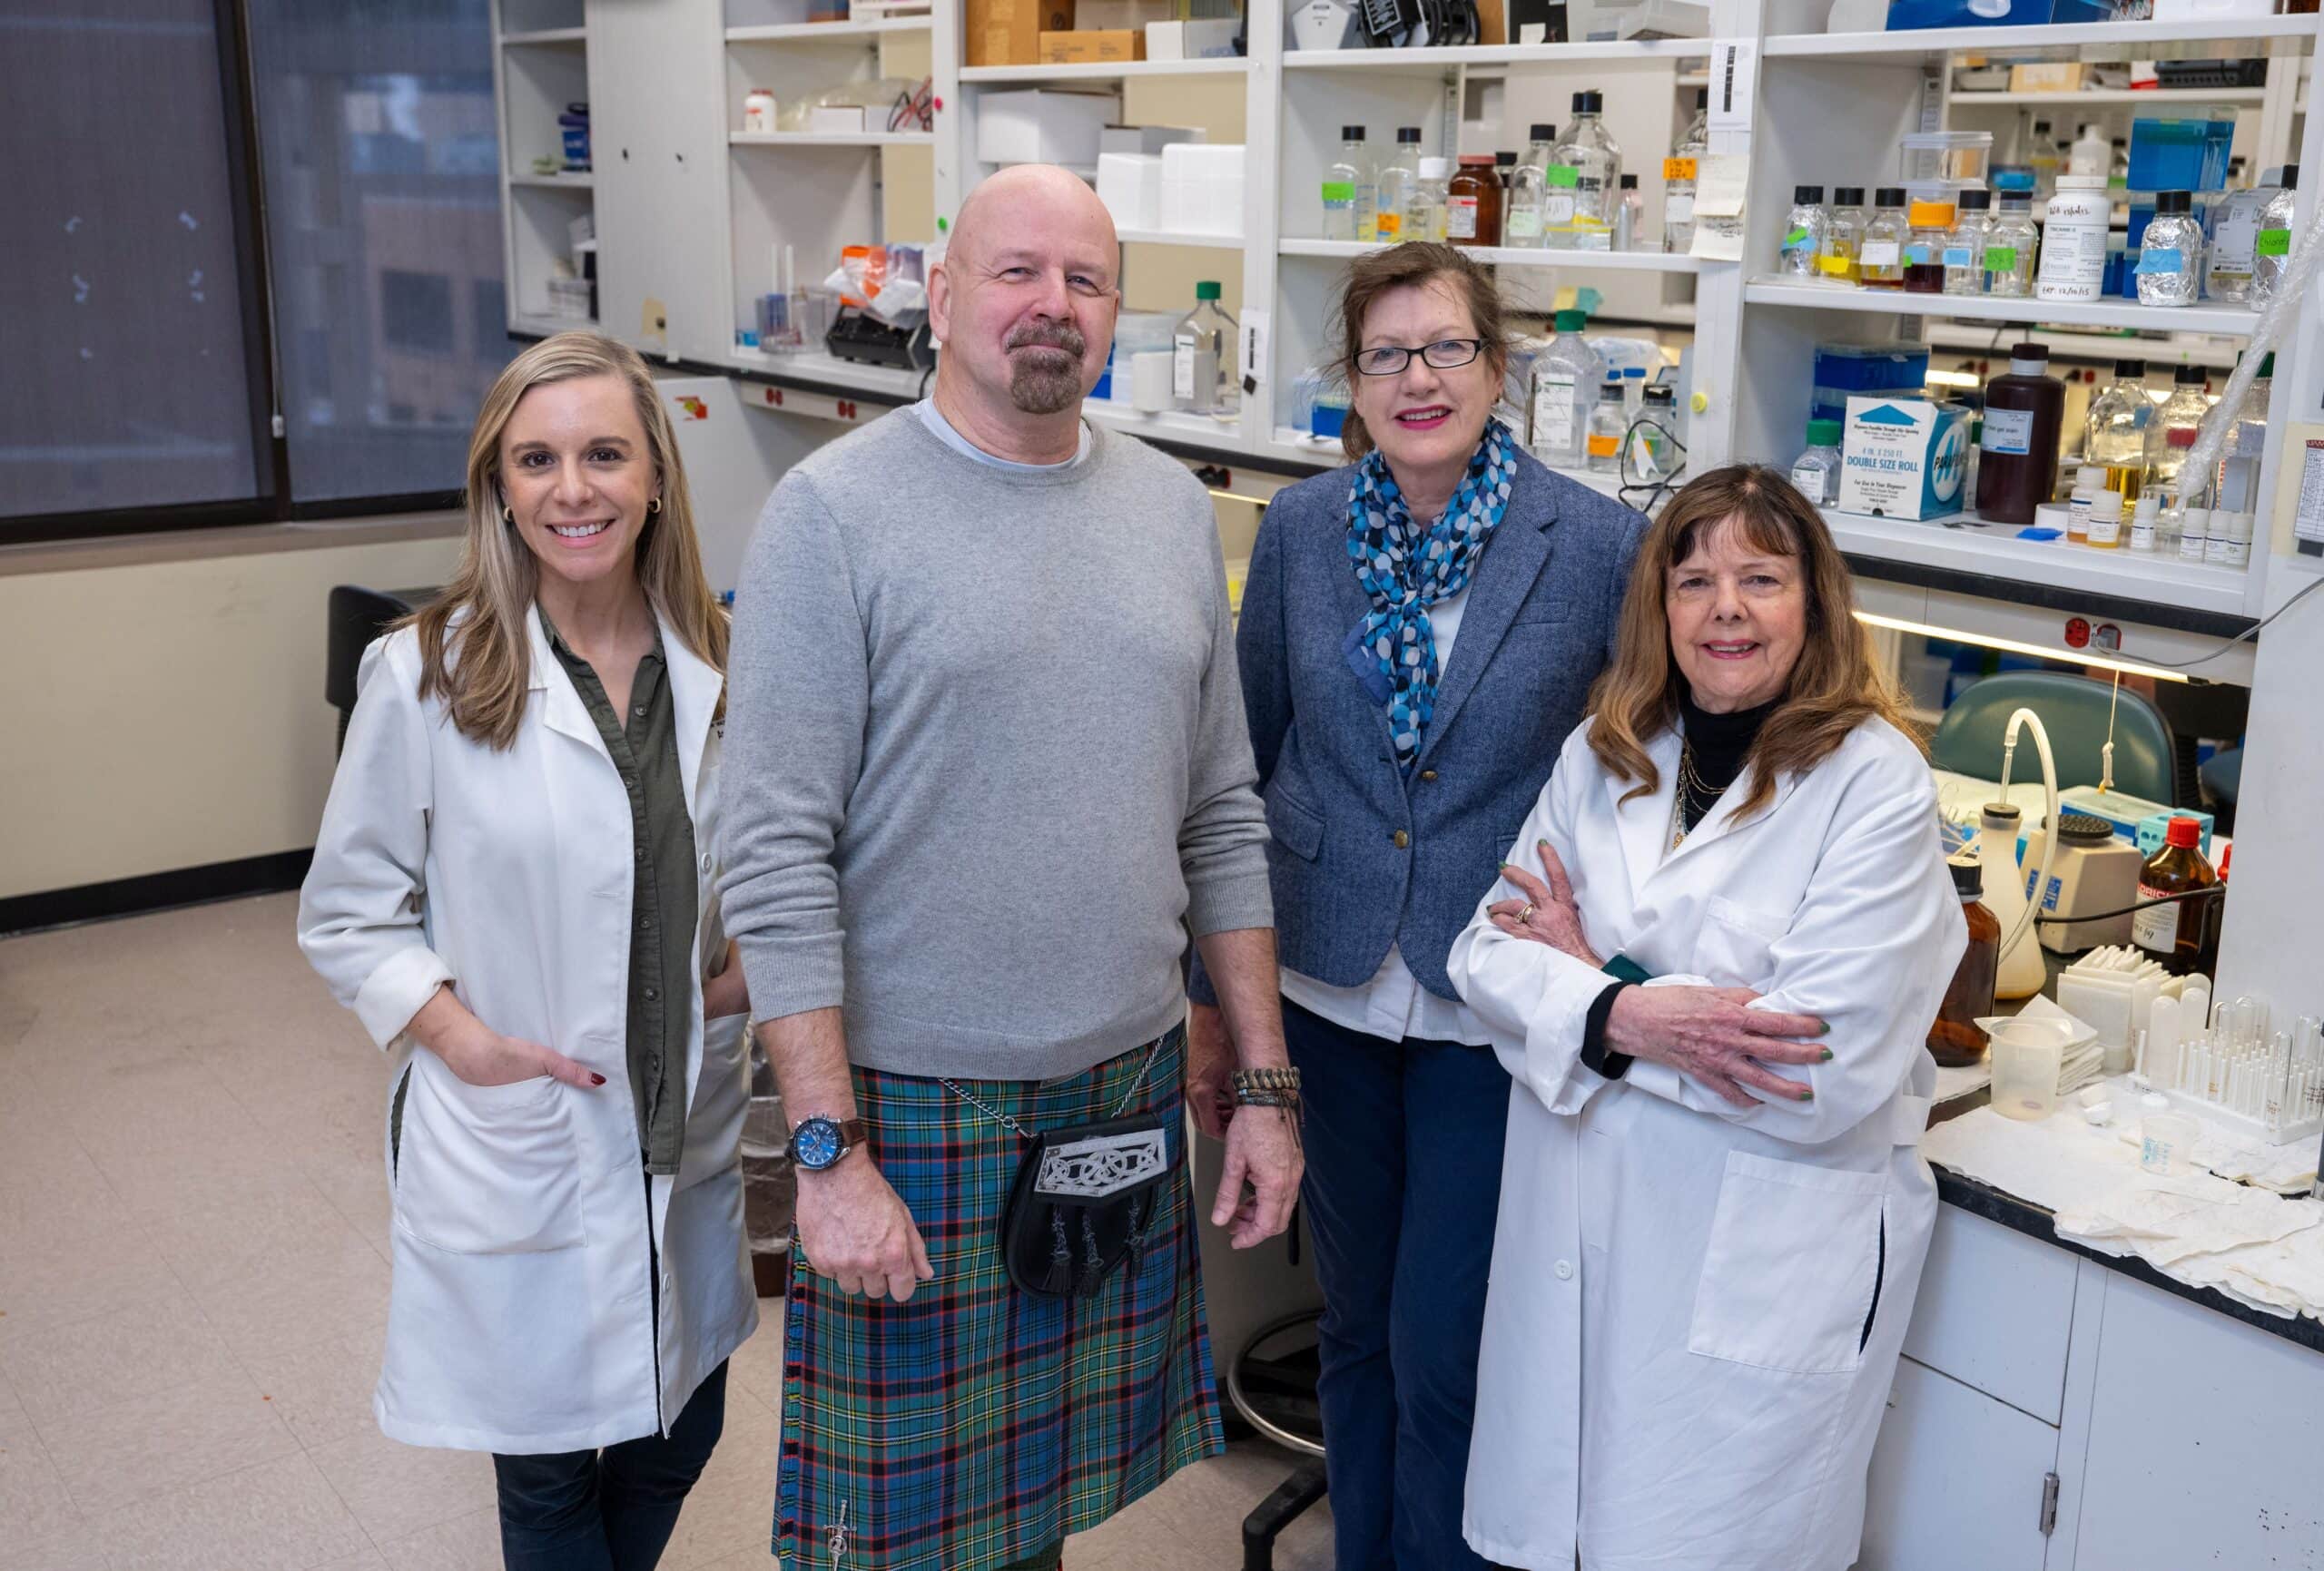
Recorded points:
(815, 1143)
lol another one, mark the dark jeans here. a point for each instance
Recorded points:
(1403, 1180)
(609, 1510)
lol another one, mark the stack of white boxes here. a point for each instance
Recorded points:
(1038, 127)
(1202, 188)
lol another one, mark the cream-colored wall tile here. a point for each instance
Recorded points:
(278, 1515)
(469, 1543)
(154, 1346)
(33, 1502)
(150, 1445)
(396, 1490)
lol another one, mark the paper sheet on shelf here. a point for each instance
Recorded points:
(1721, 181)
(1717, 239)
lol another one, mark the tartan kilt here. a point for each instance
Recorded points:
(977, 1426)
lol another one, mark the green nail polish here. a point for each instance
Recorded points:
(1825, 1029)
(1807, 1097)
(1827, 1056)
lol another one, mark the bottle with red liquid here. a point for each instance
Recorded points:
(2017, 458)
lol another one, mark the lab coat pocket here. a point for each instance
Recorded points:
(1737, 946)
(489, 1169)
(1791, 1267)
(722, 1094)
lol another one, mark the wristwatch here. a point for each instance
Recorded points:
(818, 1143)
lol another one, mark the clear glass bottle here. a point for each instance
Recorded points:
(1965, 247)
(1564, 372)
(1529, 189)
(1351, 201)
(2042, 155)
(2274, 244)
(1424, 208)
(1815, 473)
(1607, 423)
(1202, 361)
(1629, 213)
(2011, 242)
(1836, 261)
(1590, 149)
(1678, 175)
(2232, 255)
(1398, 179)
(1931, 223)
(1590, 234)
(2172, 433)
(2114, 437)
(1660, 436)
(1634, 380)
(2170, 251)
(2118, 162)
(1880, 260)
(1804, 231)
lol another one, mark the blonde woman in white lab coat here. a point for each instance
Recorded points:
(522, 817)
(1713, 1215)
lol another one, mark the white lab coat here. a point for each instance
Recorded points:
(1675, 1362)
(520, 1319)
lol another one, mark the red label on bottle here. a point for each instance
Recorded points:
(2077, 633)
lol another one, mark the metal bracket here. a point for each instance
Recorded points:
(2049, 1503)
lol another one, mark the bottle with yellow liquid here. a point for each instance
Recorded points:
(1836, 259)
(2116, 436)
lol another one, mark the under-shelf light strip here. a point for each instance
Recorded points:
(2011, 645)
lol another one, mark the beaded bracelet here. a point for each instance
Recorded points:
(1252, 1085)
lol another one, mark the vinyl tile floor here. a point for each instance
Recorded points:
(194, 1290)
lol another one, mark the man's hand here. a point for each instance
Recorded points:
(1210, 1069)
(1262, 1152)
(854, 1228)
(725, 991)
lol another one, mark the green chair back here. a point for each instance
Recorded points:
(2073, 710)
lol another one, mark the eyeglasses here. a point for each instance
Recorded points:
(1444, 354)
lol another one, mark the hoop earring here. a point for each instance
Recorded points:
(509, 516)
(653, 507)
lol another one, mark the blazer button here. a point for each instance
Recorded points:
(1428, 774)
(1403, 839)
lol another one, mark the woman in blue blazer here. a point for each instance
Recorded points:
(1419, 633)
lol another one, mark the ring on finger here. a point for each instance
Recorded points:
(1525, 915)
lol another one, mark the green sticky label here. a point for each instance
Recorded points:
(2000, 258)
(2274, 242)
(1794, 240)
(1339, 190)
(1564, 175)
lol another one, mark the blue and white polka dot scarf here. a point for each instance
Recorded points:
(1405, 572)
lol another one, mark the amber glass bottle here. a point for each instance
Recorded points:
(1956, 1039)
(2184, 934)
(1473, 203)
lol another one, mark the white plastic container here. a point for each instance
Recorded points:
(758, 111)
(1202, 188)
(1131, 185)
(1038, 127)
(2027, 1056)
(2074, 241)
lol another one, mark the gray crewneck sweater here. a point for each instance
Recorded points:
(985, 751)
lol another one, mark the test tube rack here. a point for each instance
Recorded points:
(2267, 1089)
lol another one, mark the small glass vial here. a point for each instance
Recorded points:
(2010, 244)
(1931, 223)
(2170, 252)
(1803, 236)
(1630, 214)
(1965, 248)
(2087, 483)
(1815, 473)
(1608, 421)
(1836, 261)
(2143, 527)
(1880, 260)
(2106, 520)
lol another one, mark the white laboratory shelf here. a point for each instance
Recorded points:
(1117, 71)
(542, 326)
(1968, 543)
(2112, 312)
(830, 371)
(2211, 354)
(2150, 40)
(1169, 425)
(1297, 446)
(1164, 237)
(2158, 97)
(1433, 62)
(826, 32)
(834, 139)
(574, 180)
(545, 35)
(1646, 261)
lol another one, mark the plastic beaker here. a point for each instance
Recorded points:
(2167, 1142)
(2027, 1056)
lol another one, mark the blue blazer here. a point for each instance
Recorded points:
(1361, 857)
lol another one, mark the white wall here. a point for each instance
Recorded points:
(2270, 946)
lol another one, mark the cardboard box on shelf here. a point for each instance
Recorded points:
(1211, 39)
(1904, 459)
(1131, 15)
(1090, 47)
(2046, 76)
(1008, 32)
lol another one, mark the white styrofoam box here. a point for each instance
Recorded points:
(836, 119)
(1202, 188)
(1191, 40)
(1150, 139)
(1039, 127)
(1131, 185)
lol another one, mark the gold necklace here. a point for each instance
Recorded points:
(1691, 785)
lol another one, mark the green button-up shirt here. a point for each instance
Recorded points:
(663, 904)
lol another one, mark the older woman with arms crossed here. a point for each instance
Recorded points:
(1711, 1201)
(511, 890)
(1419, 633)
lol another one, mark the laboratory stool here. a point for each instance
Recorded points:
(357, 616)
(1272, 1386)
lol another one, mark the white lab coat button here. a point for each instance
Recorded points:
(1565, 1271)
(705, 861)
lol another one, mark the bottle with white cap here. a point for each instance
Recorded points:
(2087, 483)
(2106, 520)
(2142, 522)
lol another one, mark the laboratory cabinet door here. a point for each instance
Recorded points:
(1958, 1481)
(2204, 1441)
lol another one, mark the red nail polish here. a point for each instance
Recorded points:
(596, 1080)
